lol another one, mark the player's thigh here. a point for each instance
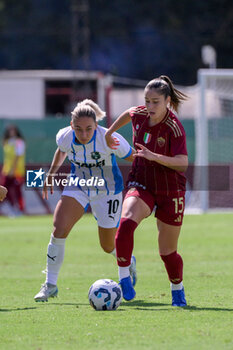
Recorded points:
(107, 238)
(107, 209)
(68, 211)
(168, 236)
(135, 208)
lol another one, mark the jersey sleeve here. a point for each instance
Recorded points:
(132, 111)
(124, 149)
(133, 116)
(178, 143)
(64, 139)
(137, 114)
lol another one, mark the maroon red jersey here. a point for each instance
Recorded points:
(167, 138)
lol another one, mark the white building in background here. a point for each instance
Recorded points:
(35, 94)
(121, 99)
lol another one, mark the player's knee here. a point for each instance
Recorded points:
(107, 248)
(127, 213)
(60, 229)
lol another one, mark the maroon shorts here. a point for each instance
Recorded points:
(169, 210)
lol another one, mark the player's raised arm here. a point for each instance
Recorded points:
(57, 161)
(122, 120)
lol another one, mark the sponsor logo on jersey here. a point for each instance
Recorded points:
(95, 155)
(161, 141)
(89, 165)
(147, 137)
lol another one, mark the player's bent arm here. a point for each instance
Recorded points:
(122, 120)
(57, 161)
(178, 162)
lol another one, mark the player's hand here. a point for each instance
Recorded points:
(3, 193)
(143, 152)
(47, 187)
(112, 141)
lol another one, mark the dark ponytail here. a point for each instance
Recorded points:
(165, 87)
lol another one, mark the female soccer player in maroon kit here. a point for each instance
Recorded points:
(156, 181)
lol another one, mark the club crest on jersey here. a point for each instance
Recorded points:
(95, 155)
(161, 141)
(147, 137)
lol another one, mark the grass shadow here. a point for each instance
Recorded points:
(76, 305)
(195, 308)
(18, 309)
(143, 305)
(68, 304)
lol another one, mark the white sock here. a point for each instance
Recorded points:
(123, 272)
(178, 286)
(55, 257)
(114, 252)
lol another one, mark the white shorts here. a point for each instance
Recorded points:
(105, 208)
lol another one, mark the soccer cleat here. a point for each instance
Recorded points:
(178, 298)
(133, 271)
(47, 291)
(127, 288)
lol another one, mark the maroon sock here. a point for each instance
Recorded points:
(124, 241)
(19, 196)
(174, 266)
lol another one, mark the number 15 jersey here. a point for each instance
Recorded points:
(166, 138)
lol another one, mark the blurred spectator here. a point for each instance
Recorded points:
(13, 170)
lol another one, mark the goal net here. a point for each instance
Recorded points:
(212, 181)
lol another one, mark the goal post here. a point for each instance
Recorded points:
(214, 141)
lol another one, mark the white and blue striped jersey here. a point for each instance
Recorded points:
(94, 159)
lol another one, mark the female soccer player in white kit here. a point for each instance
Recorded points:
(91, 159)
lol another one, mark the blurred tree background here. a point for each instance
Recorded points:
(131, 38)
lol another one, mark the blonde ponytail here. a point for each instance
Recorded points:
(88, 108)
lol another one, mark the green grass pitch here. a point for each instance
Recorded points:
(148, 322)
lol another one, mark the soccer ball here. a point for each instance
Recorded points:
(105, 294)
